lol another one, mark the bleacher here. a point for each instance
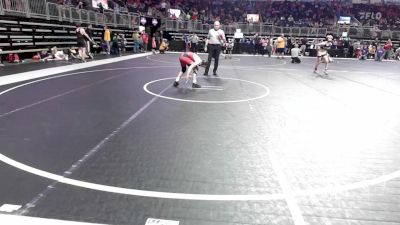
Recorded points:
(19, 35)
(29, 26)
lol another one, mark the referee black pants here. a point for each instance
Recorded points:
(213, 52)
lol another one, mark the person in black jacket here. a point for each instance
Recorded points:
(81, 36)
(89, 32)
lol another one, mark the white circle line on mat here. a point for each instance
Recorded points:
(267, 91)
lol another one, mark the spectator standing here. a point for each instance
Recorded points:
(195, 42)
(122, 43)
(388, 48)
(186, 40)
(376, 43)
(264, 44)
(153, 44)
(163, 7)
(145, 39)
(135, 37)
(257, 44)
(115, 47)
(140, 43)
(269, 46)
(280, 46)
(81, 36)
(89, 32)
(303, 46)
(107, 38)
(215, 40)
(101, 7)
(1, 58)
(79, 5)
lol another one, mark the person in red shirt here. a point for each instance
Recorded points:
(388, 47)
(145, 38)
(189, 63)
(153, 45)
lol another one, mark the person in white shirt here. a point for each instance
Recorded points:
(195, 41)
(215, 40)
(295, 52)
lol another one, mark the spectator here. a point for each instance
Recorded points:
(115, 45)
(79, 5)
(388, 48)
(269, 46)
(397, 54)
(140, 43)
(257, 44)
(135, 37)
(281, 46)
(163, 7)
(122, 43)
(163, 46)
(186, 39)
(303, 46)
(89, 41)
(264, 44)
(153, 44)
(101, 7)
(107, 38)
(145, 39)
(194, 43)
(380, 53)
(364, 52)
(358, 53)
(1, 58)
(81, 39)
(371, 51)
(295, 52)
(58, 55)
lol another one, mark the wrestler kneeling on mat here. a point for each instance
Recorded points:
(190, 63)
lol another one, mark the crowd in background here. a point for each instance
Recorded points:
(281, 13)
(376, 49)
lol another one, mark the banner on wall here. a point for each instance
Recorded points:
(344, 20)
(149, 22)
(370, 15)
(360, 1)
(174, 13)
(95, 3)
(253, 18)
(392, 2)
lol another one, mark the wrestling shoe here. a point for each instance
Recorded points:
(194, 85)
(176, 83)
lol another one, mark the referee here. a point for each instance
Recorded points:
(215, 40)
